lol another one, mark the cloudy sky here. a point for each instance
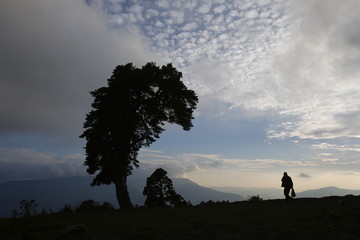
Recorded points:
(278, 83)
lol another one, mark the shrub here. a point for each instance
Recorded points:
(43, 212)
(255, 199)
(87, 205)
(67, 208)
(207, 204)
(90, 205)
(107, 206)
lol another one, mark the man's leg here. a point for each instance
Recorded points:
(286, 193)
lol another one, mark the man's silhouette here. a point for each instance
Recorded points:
(287, 184)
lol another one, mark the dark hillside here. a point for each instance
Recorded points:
(306, 218)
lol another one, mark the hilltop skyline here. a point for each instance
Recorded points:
(277, 80)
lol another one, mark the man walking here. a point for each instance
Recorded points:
(287, 184)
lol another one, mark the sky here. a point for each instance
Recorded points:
(278, 83)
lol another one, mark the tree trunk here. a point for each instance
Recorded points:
(122, 193)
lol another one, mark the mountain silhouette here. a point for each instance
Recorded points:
(327, 191)
(196, 193)
(55, 193)
(264, 193)
(277, 193)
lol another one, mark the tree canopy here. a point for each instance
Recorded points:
(130, 113)
(160, 192)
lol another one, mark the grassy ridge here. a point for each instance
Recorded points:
(324, 218)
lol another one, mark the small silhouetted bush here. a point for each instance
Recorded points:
(87, 205)
(67, 208)
(255, 199)
(107, 206)
(90, 205)
(43, 212)
(207, 204)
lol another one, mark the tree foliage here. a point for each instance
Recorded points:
(130, 113)
(159, 191)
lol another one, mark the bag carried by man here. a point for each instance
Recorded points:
(293, 194)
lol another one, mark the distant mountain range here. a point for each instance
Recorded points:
(277, 193)
(264, 193)
(55, 193)
(327, 191)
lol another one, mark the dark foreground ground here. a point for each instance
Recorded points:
(324, 218)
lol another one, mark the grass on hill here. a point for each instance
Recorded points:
(323, 218)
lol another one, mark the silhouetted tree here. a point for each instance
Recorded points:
(129, 114)
(27, 208)
(160, 191)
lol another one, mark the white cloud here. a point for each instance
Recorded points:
(204, 8)
(163, 3)
(219, 9)
(150, 13)
(252, 14)
(191, 4)
(329, 159)
(190, 26)
(263, 2)
(336, 147)
(176, 17)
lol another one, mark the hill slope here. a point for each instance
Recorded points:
(305, 218)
